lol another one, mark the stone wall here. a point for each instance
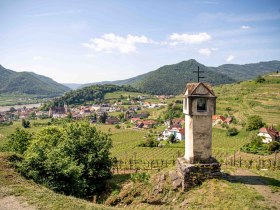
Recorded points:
(194, 174)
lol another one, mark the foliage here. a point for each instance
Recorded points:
(259, 79)
(173, 111)
(171, 139)
(151, 142)
(73, 160)
(2, 124)
(140, 177)
(102, 118)
(117, 126)
(273, 146)
(256, 146)
(25, 123)
(19, 140)
(254, 122)
(232, 132)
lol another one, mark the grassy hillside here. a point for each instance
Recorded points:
(28, 83)
(248, 71)
(251, 98)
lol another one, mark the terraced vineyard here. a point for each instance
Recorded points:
(251, 98)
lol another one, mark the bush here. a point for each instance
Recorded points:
(254, 122)
(117, 126)
(73, 160)
(273, 146)
(25, 123)
(232, 132)
(259, 79)
(19, 141)
(149, 143)
(256, 146)
(140, 177)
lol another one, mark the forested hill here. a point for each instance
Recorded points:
(92, 93)
(248, 71)
(171, 79)
(29, 83)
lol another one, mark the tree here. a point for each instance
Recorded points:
(12, 109)
(103, 117)
(171, 138)
(259, 79)
(254, 122)
(73, 159)
(25, 123)
(19, 140)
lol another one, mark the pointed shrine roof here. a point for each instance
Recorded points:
(191, 87)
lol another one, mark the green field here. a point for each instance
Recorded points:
(20, 99)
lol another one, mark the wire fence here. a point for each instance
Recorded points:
(138, 165)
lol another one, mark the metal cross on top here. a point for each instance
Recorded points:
(198, 77)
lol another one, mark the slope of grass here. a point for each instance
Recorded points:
(12, 184)
(251, 98)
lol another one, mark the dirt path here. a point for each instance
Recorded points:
(14, 203)
(259, 184)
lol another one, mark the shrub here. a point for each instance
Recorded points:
(232, 132)
(140, 177)
(273, 146)
(19, 140)
(259, 79)
(149, 143)
(254, 122)
(73, 160)
(25, 123)
(117, 126)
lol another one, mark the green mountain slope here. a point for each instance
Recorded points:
(171, 79)
(248, 71)
(29, 83)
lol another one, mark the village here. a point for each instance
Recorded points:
(133, 114)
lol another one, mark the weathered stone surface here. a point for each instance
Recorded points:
(173, 175)
(176, 184)
(193, 174)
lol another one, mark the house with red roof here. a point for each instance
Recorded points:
(178, 132)
(269, 134)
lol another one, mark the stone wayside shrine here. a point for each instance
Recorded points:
(198, 163)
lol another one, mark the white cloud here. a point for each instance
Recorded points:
(245, 27)
(37, 57)
(189, 38)
(110, 42)
(230, 58)
(205, 51)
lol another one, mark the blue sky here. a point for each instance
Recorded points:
(88, 41)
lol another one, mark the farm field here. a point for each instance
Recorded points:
(14, 99)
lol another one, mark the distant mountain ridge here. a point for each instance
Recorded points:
(29, 83)
(171, 79)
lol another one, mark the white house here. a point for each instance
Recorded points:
(179, 133)
(268, 134)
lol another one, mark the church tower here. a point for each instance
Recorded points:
(199, 106)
